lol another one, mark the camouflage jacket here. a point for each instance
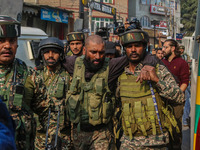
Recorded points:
(54, 86)
(13, 94)
(168, 89)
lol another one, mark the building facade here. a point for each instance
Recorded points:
(52, 19)
(164, 14)
(99, 19)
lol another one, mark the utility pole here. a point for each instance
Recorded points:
(166, 18)
(81, 10)
(90, 17)
(154, 27)
(174, 20)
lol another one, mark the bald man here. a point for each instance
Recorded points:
(90, 99)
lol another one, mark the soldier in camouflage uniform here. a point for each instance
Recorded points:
(76, 43)
(50, 111)
(14, 77)
(90, 97)
(146, 118)
(185, 56)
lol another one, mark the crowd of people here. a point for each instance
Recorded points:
(94, 93)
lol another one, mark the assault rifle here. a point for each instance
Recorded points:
(51, 146)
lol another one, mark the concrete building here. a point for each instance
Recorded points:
(99, 19)
(158, 12)
(52, 19)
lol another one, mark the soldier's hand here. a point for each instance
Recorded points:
(148, 73)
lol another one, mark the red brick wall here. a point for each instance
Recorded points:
(73, 5)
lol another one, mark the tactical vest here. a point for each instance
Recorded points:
(139, 115)
(90, 102)
(56, 93)
(12, 94)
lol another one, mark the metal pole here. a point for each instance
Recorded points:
(154, 34)
(90, 18)
(81, 10)
(195, 113)
(174, 20)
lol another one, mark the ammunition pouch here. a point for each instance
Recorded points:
(139, 116)
(92, 102)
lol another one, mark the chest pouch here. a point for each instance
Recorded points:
(75, 88)
(73, 101)
(99, 84)
(108, 107)
(18, 89)
(59, 93)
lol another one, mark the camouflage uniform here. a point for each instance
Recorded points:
(146, 118)
(75, 36)
(167, 88)
(55, 87)
(13, 84)
(101, 139)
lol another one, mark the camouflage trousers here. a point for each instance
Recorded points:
(101, 139)
(63, 142)
(145, 143)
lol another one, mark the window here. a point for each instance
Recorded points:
(108, 1)
(105, 1)
(145, 21)
(159, 2)
(100, 22)
(145, 2)
(172, 4)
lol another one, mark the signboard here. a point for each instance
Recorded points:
(85, 2)
(179, 36)
(160, 10)
(54, 15)
(103, 8)
(163, 24)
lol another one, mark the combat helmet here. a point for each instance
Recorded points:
(75, 36)
(51, 42)
(9, 27)
(134, 35)
(181, 47)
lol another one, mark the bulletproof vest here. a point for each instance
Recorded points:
(55, 94)
(139, 115)
(12, 93)
(90, 102)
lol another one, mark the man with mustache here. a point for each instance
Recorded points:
(90, 100)
(180, 69)
(76, 42)
(14, 84)
(144, 92)
(56, 82)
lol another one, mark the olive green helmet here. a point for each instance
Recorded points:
(181, 47)
(134, 35)
(9, 27)
(75, 36)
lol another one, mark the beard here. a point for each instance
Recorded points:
(140, 57)
(90, 64)
(50, 63)
(166, 55)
